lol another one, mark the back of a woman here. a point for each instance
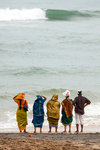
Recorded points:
(21, 114)
(38, 112)
(67, 108)
(53, 108)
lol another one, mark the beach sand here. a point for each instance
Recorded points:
(50, 141)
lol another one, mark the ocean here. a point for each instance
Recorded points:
(47, 47)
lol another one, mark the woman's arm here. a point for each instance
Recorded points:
(85, 105)
(62, 106)
(14, 98)
(43, 96)
(26, 103)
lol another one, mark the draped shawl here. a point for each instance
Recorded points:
(53, 107)
(67, 106)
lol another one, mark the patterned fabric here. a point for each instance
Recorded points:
(21, 116)
(53, 107)
(38, 121)
(53, 122)
(65, 120)
(67, 108)
(38, 112)
(21, 103)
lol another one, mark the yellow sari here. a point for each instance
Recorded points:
(21, 114)
(21, 117)
(53, 108)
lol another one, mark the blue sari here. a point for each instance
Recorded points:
(38, 112)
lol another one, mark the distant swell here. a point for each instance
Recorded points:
(40, 14)
(70, 14)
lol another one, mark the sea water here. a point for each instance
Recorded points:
(47, 47)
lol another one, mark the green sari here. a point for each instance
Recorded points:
(65, 120)
(67, 108)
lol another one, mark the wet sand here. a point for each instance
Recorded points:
(50, 141)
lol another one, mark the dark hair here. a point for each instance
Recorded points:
(79, 92)
(67, 97)
(20, 103)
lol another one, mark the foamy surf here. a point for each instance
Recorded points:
(90, 119)
(21, 14)
(40, 14)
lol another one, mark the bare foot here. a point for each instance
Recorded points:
(64, 132)
(77, 132)
(25, 131)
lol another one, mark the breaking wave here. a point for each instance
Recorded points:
(40, 14)
(70, 14)
(21, 14)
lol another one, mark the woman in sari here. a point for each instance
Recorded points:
(38, 112)
(53, 108)
(67, 108)
(21, 114)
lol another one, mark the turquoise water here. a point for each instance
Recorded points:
(45, 48)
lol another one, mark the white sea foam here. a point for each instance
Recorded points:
(21, 14)
(91, 117)
(93, 109)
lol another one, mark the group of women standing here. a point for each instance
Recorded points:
(53, 111)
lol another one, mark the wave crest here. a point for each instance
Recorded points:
(53, 14)
(21, 14)
(50, 14)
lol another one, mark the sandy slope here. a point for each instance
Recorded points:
(52, 141)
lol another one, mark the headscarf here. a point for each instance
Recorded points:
(66, 93)
(20, 96)
(38, 96)
(54, 97)
(53, 107)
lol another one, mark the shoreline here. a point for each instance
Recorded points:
(30, 129)
(51, 141)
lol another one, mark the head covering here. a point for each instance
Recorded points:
(54, 97)
(20, 96)
(79, 92)
(38, 96)
(66, 93)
